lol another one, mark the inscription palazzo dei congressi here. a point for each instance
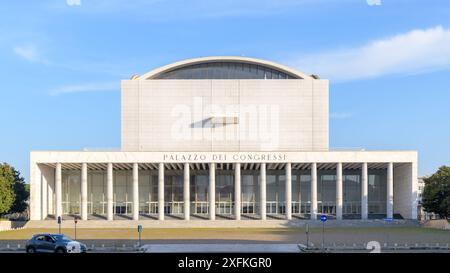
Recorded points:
(226, 157)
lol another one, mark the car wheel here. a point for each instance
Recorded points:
(60, 250)
(31, 250)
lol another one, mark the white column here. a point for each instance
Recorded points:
(314, 191)
(212, 191)
(414, 189)
(237, 191)
(339, 191)
(109, 193)
(35, 191)
(51, 195)
(161, 191)
(390, 191)
(135, 191)
(186, 193)
(288, 194)
(364, 192)
(58, 190)
(44, 196)
(262, 192)
(84, 192)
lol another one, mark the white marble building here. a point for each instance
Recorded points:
(224, 138)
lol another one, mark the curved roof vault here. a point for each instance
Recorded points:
(176, 70)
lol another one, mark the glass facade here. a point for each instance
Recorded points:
(97, 193)
(148, 192)
(173, 194)
(71, 189)
(199, 193)
(250, 192)
(224, 194)
(351, 193)
(275, 193)
(301, 192)
(377, 192)
(326, 192)
(123, 194)
(224, 70)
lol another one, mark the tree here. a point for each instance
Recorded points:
(21, 191)
(7, 195)
(436, 194)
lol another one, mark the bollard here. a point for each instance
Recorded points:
(7, 246)
(103, 245)
(18, 246)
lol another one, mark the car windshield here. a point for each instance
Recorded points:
(61, 237)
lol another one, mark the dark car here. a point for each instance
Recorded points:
(54, 243)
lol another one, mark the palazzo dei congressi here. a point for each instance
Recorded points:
(223, 138)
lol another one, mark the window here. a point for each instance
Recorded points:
(224, 70)
(40, 238)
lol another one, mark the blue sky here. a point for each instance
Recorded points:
(61, 62)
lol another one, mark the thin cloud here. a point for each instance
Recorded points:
(413, 52)
(29, 53)
(86, 87)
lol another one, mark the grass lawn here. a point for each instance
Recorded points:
(261, 234)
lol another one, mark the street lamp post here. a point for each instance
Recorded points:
(75, 221)
(323, 218)
(307, 235)
(140, 232)
(59, 224)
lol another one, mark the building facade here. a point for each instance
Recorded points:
(227, 138)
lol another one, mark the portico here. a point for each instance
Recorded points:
(271, 190)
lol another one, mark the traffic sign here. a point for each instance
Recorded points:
(323, 218)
